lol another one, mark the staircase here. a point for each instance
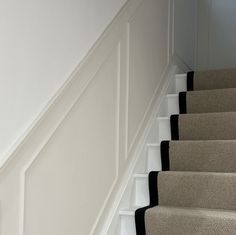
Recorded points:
(196, 149)
(139, 195)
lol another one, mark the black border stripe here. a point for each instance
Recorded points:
(153, 188)
(190, 83)
(174, 123)
(140, 220)
(154, 201)
(165, 158)
(183, 102)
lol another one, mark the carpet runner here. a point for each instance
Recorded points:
(196, 191)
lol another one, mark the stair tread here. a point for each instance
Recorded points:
(195, 194)
(185, 221)
(200, 156)
(141, 175)
(172, 95)
(208, 101)
(130, 211)
(196, 210)
(213, 79)
(206, 126)
(197, 189)
(153, 145)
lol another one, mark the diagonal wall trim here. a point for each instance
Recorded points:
(127, 88)
(29, 164)
(125, 76)
(76, 79)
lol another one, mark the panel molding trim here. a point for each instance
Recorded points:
(37, 154)
(116, 54)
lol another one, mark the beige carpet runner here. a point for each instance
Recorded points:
(195, 194)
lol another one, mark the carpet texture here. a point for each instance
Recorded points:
(195, 194)
(201, 156)
(163, 220)
(209, 101)
(212, 79)
(197, 189)
(205, 126)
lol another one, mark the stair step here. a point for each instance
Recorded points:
(180, 83)
(185, 221)
(206, 142)
(127, 226)
(209, 126)
(128, 212)
(202, 156)
(170, 105)
(208, 101)
(164, 132)
(140, 191)
(153, 157)
(197, 189)
(213, 79)
(173, 104)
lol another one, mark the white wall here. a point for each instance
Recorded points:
(41, 43)
(217, 34)
(185, 31)
(65, 177)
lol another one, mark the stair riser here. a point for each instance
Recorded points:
(169, 106)
(173, 104)
(164, 132)
(161, 131)
(141, 192)
(180, 83)
(128, 225)
(154, 159)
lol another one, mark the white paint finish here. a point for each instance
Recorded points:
(170, 105)
(41, 43)
(127, 223)
(87, 124)
(164, 128)
(154, 158)
(141, 193)
(164, 108)
(173, 104)
(81, 159)
(148, 59)
(185, 31)
(180, 83)
(216, 47)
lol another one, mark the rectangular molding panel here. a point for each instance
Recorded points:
(64, 177)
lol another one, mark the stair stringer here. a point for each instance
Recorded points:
(145, 157)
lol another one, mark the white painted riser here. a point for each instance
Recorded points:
(153, 157)
(180, 83)
(164, 132)
(140, 193)
(127, 223)
(170, 105)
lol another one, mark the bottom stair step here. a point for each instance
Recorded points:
(185, 221)
(127, 226)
